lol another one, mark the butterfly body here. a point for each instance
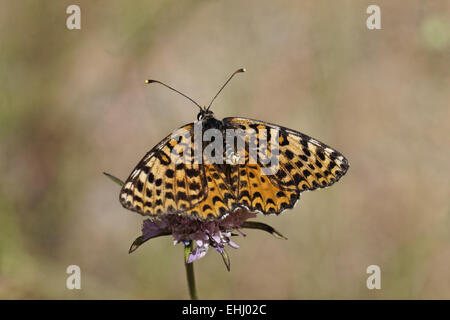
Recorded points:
(205, 189)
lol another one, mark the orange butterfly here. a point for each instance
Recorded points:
(238, 178)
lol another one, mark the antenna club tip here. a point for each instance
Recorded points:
(242, 70)
(149, 81)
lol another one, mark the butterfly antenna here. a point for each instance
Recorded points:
(165, 85)
(237, 71)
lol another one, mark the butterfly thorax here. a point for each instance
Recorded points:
(211, 123)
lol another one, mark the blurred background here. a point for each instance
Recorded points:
(73, 104)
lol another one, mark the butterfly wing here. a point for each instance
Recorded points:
(220, 197)
(160, 184)
(303, 164)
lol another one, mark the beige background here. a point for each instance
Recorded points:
(73, 104)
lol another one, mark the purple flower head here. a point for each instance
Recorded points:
(203, 234)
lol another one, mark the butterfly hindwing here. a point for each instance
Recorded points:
(161, 185)
(220, 197)
(257, 192)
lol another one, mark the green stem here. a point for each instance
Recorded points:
(190, 272)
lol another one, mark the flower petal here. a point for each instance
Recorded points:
(233, 245)
(198, 253)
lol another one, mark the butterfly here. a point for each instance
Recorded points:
(161, 184)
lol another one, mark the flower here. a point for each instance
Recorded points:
(204, 234)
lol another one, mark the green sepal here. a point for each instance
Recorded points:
(264, 227)
(226, 259)
(115, 179)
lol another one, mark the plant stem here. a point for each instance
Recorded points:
(190, 272)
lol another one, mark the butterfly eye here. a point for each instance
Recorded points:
(200, 116)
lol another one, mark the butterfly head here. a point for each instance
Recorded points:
(205, 113)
